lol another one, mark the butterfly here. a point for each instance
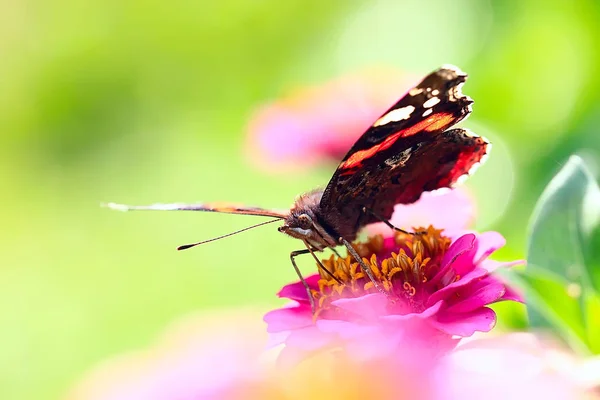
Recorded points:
(409, 150)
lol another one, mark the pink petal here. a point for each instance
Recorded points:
(285, 319)
(300, 343)
(505, 369)
(367, 306)
(458, 212)
(454, 286)
(374, 346)
(492, 265)
(345, 329)
(481, 320)
(308, 339)
(297, 291)
(512, 294)
(460, 252)
(427, 313)
(487, 243)
(478, 295)
(276, 338)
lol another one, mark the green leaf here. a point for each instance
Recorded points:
(562, 278)
(565, 225)
(554, 304)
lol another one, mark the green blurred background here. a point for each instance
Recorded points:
(148, 101)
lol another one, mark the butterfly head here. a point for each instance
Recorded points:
(302, 222)
(299, 225)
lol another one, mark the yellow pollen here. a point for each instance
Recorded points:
(415, 260)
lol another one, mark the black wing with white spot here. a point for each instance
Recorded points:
(407, 151)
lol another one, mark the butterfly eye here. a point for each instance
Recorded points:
(304, 221)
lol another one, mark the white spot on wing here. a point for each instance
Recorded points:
(427, 112)
(415, 91)
(435, 92)
(456, 93)
(395, 115)
(431, 102)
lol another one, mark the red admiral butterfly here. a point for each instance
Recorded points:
(407, 151)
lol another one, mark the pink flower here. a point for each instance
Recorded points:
(220, 356)
(436, 288)
(322, 122)
(516, 366)
(198, 357)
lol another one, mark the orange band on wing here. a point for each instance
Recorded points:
(441, 122)
(435, 122)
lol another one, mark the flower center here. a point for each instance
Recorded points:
(404, 265)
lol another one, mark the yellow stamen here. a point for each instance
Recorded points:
(415, 261)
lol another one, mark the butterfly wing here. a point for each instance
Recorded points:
(406, 152)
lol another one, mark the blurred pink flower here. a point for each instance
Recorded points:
(436, 288)
(517, 366)
(220, 356)
(198, 357)
(322, 122)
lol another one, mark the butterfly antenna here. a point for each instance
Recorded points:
(188, 246)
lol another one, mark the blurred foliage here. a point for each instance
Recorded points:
(147, 101)
(563, 258)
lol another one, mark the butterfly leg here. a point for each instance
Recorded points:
(336, 252)
(293, 256)
(324, 268)
(365, 210)
(366, 269)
